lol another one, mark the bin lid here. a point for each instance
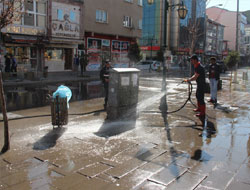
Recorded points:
(123, 70)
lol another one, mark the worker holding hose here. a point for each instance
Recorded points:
(199, 76)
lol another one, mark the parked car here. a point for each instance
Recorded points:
(148, 64)
(223, 67)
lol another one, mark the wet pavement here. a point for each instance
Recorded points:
(157, 151)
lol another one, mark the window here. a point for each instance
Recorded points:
(28, 5)
(72, 16)
(55, 54)
(140, 24)
(127, 21)
(140, 2)
(130, 1)
(35, 13)
(28, 19)
(101, 16)
(59, 14)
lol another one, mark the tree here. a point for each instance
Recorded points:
(134, 52)
(10, 11)
(232, 60)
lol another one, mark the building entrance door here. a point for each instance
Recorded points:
(68, 59)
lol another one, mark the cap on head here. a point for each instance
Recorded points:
(107, 62)
(212, 59)
(195, 57)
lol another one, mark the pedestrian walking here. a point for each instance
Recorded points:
(13, 64)
(199, 76)
(214, 77)
(7, 63)
(76, 62)
(104, 76)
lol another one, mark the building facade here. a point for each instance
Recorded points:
(179, 36)
(228, 19)
(46, 36)
(214, 39)
(247, 39)
(110, 27)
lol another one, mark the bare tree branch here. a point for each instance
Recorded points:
(10, 11)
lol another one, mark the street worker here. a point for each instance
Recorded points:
(104, 76)
(214, 77)
(199, 76)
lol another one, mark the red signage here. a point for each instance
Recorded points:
(148, 48)
(225, 53)
(199, 51)
(183, 49)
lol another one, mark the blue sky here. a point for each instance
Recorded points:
(230, 4)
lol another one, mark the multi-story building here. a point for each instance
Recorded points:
(46, 36)
(228, 19)
(192, 29)
(247, 39)
(214, 39)
(179, 32)
(51, 32)
(110, 27)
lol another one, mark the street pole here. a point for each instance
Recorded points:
(151, 44)
(237, 28)
(182, 12)
(164, 46)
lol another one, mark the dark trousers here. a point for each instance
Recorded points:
(106, 91)
(200, 94)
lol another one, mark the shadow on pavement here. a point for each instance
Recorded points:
(112, 128)
(49, 140)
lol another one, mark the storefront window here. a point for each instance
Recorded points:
(53, 54)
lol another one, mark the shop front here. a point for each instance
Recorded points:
(65, 33)
(25, 48)
(103, 47)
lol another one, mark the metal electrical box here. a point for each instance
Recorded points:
(123, 93)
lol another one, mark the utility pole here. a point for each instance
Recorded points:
(237, 28)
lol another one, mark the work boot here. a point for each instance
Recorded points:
(211, 100)
(202, 111)
(198, 108)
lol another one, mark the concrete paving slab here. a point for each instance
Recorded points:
(94, 169)
(169, 174)
(235, 184)
(218, 179)
(187, 181)
(149, 185)
(134, 178)
(127, 167)
(243, 174)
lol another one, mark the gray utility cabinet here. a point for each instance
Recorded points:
(123, 93)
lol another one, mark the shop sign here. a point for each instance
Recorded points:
(199, 51)
(148, 48)
(24, 30)
(183, 49)
(65, 20)
(118, 46)
(65, 29)
(225, 53)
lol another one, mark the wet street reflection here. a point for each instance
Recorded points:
(154, 150)
(18, 98)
